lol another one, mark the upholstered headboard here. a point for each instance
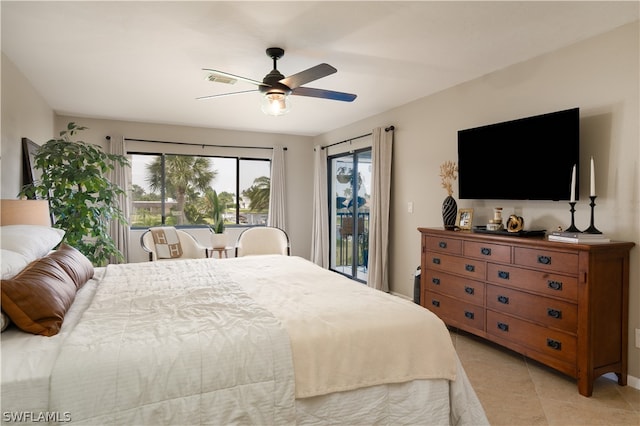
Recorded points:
(24, 212)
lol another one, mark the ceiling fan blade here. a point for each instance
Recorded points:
(308, 75)
(221, 95)
(325, 94)
(236, 77)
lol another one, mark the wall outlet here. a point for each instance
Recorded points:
(638, 338)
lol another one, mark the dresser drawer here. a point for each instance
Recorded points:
(455, 312)
(458, 287)
(538, 338)
(443, 245)
(546, 260)
(487, 251)
(543, 283)
(471, 268)
(543, 310)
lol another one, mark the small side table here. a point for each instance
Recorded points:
(220, 250)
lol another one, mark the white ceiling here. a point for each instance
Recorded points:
(141, 61)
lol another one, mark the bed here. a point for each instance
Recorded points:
(254, 340)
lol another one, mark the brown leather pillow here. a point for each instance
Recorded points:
(74, 263)
(38, 297)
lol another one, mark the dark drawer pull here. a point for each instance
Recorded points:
(545, 260)
(469, 268)
(436, 260)
(486, 251)
(554, 344)
(435, 303)
(503, 299)
(502, 326)
(554, 285)
(436, 281)
(503, 274)
(442, 244)
(469, 290)
(554, 313)
(468, 314)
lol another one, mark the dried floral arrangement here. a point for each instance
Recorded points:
(448, 173)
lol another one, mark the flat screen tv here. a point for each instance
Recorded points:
(530, 158)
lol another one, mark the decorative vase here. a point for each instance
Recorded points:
(449, 212)
(219, 241)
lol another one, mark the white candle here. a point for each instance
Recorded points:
(593, 179)
(573, 185)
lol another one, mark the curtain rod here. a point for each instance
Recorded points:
(198, 144)
(387, 129)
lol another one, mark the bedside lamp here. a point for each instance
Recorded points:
(24, 212)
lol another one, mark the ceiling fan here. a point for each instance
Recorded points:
(276, 88)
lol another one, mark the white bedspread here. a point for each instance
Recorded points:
(344, 335)
(176, 343)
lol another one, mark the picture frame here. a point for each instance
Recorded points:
(464, 220)
(29, 172)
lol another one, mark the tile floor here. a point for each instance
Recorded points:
(515, 390)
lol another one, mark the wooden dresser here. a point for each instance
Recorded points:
(562, 304)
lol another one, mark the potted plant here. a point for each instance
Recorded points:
(82, 201)
(218, 238)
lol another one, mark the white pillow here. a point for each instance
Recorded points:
(31, 241)
(12, 263)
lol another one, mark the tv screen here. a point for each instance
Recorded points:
(526, 159)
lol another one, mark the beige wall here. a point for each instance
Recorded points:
(24, 114)
(599, 75)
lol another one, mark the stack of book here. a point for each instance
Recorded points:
(577, 237)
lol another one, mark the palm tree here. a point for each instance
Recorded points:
(258, 194)
(227, 199)
(184, 175)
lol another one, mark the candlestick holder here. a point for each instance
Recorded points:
(592, 229)
(572, 228)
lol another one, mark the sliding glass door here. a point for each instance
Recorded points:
(349, 200)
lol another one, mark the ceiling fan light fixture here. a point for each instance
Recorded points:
(275, 103)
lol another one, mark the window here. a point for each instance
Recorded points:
(176, 189)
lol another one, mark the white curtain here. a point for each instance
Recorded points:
(119, 176)
(277, 199)
(320, 219)
(381, 153)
